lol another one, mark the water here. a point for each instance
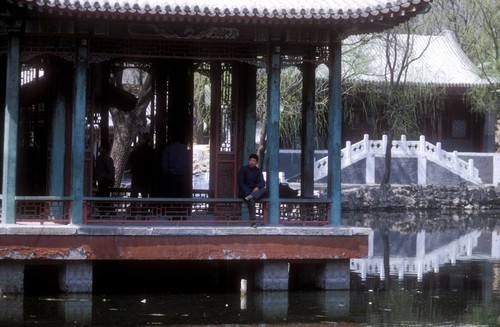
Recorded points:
(401, 306)
(444, 271)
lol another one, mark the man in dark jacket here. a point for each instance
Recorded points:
(251, 184)
(141, 167)
(174, 165)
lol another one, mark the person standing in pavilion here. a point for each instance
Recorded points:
(174, 166)
(141, 167)
(104, 172)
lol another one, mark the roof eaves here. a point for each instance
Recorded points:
(390, 8)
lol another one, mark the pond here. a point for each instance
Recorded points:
(425, 268)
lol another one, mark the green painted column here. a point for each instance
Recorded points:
(249, 86)
(335, 131)
(215, 104)
(78, 134)
(13, 83)
(308, 129)
(273, 126)
(58, 132)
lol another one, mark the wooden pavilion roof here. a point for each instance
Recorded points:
(197, 29)
(348, 16)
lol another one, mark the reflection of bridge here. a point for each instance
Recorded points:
(428, 258)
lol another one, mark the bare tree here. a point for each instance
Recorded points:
(391, 105)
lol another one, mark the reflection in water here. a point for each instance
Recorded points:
(445, 271)
(358, 308)
(413, 244)
(453, 256)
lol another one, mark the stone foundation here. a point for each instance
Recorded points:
(420, 197)
(11, 277)
(329, 275)
(272, 276)
(76, 277)
(334, 275)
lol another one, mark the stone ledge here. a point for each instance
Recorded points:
(64, 230)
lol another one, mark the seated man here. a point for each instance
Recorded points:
(251, 184)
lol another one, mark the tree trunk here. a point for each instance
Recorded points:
(384, 234)
(261, 152)
(388, 162)
(126, 126)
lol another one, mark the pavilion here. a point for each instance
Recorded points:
(57, 57)
(75, 42)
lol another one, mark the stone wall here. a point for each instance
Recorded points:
(420, 197)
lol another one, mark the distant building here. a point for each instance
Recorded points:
(438, 61)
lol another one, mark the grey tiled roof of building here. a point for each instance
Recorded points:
(370, 10)
(437, 60)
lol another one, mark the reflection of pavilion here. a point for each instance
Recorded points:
(417, 254)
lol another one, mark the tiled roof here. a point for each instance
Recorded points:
(439, 60)
(363, 10)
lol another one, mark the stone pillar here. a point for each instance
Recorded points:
(422, 170)
(76, 277)
(272, 276)
(11, 277)
(496, 169)
(370, 169)
(334, 275)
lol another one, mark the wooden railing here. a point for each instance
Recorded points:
(199, 210)
(43, 209)
(202, 211)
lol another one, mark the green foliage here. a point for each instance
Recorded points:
(487, 315)
(400, 307)
(405, 109)
(201, 106)
(476, 24)
(392, 107)
(291, 105)
(483, 99)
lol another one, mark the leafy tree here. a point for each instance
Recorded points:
(201, 106)
(290, 108)
(476, 24)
